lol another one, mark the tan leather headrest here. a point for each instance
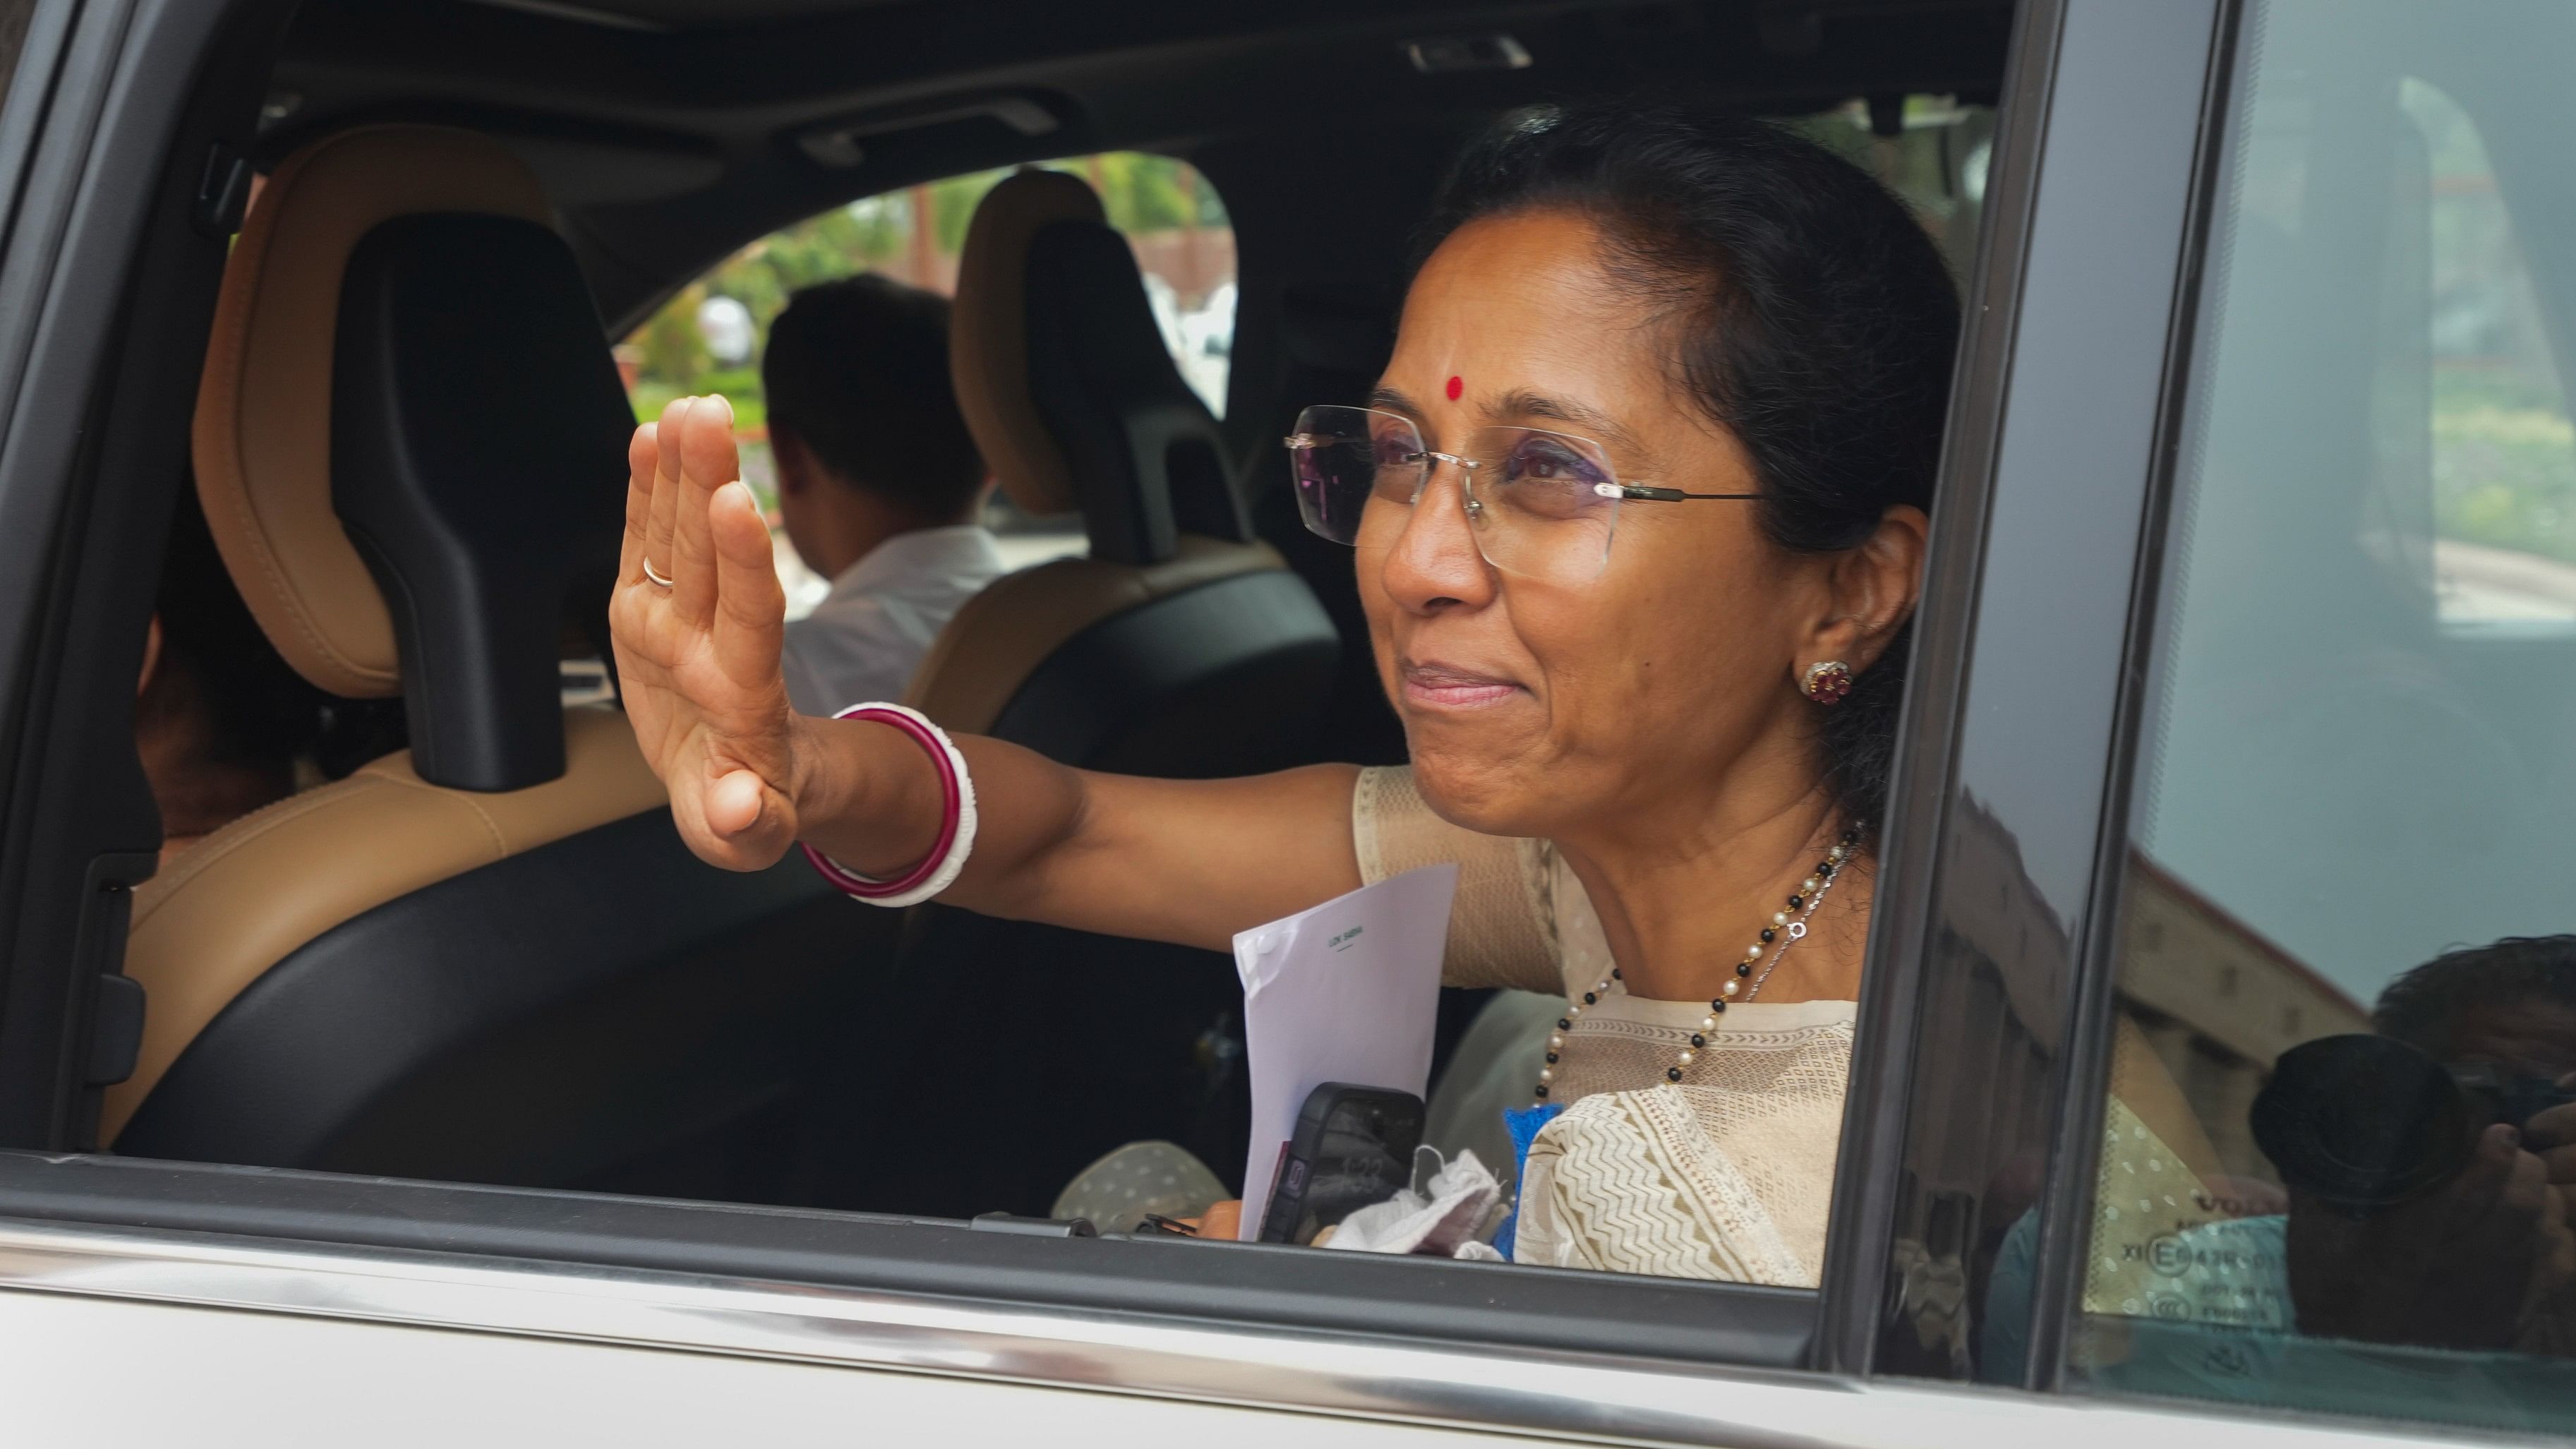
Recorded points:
(262, 439)
(988, 342)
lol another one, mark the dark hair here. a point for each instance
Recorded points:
(1813, 317)
(221, 682)
(2423, 1007)
(251, 711)
(857, 370)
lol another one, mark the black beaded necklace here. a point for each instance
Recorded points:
(1790, 923)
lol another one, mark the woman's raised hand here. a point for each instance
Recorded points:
(698, 657)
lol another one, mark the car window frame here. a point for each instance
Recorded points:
(1700, 1328)
(107, 239)
(2061, 434)
(2075, 1152)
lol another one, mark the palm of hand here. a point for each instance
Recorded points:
(698, 661)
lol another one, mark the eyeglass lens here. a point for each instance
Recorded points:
(1534, 499)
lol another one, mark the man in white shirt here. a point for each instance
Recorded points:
(878, 482)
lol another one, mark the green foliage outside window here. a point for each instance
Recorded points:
(1141, 193)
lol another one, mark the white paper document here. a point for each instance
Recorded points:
(1345, 992)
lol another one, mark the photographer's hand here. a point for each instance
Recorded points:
(2551, 1133)
(2463, 1267)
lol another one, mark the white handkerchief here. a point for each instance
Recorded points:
(1345, 992)
(1438, 1221)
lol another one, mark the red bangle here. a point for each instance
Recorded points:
(951, 798)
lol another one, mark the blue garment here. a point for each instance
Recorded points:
(2221, 1329)
(1524, 1124)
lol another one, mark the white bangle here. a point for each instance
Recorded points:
(938, 871)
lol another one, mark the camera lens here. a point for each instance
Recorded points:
(2362, 1121)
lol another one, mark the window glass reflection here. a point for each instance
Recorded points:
(2338, 1165)
(2503, 452)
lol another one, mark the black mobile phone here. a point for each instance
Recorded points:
(1353, 1147)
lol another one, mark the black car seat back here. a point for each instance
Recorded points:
(1178, 647)
(1078, 409)
(1146, 461)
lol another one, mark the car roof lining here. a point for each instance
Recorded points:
(670, 142)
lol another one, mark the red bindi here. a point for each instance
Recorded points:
(1456, 387)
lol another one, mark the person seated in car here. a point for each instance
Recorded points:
(224, 726)
(878, 484)
(1658, 750)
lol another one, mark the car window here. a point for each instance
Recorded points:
(2346, 1011)
(708, 336)
(1931, 150)
(2503, 450)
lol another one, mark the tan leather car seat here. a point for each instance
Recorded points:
(395, 531)
(1178, 647)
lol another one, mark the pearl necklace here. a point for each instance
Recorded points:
(1791, 923)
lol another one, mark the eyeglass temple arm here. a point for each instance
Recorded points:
(1644, 494)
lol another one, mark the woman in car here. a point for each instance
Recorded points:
(1639, 510)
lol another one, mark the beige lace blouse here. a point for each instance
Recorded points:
(1726, 1175)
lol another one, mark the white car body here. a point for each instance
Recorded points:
(287, 1347)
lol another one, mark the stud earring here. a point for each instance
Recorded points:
(1828, 681)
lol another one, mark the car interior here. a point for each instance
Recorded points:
(488, 958)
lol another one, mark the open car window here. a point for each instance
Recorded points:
(1933, 151)
(801, 1047)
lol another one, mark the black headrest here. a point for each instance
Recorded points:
(478, 461)
(1147, 458)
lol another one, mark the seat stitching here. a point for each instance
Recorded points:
(500, 844)
(203, 856)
